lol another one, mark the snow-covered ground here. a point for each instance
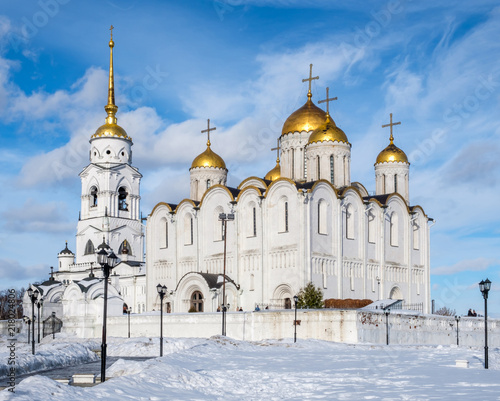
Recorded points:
(224, 369)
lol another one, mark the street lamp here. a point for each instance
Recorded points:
(162, 290)
(33, 295)
(484, 287)
(38, 305)
(296, 300)
(128, 313)
(224, 218)
(107, 261)
(457, 318)
(387, 313)
(378, 287)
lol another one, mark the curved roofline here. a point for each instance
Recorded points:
(412, 208)
(252, 178)
(185, 200)
(216, 186)
(253, 187)
(350, 187)
(324, 182)
(281, 179)
(158, 205)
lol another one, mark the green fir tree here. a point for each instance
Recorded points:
(310, 297)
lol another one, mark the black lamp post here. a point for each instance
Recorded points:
(33, 295)
(39, 305)
(484, 287)
(53, 325)
(128, 313)
(296, 300)
(107, 262)
(224, 218)
(387, 313)
(457, 318)
(162, 290)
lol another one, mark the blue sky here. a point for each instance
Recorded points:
(435, 65)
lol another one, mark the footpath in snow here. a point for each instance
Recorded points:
(224, 369)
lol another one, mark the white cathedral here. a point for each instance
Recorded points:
(305, 221)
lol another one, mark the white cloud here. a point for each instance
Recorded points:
(478, 264)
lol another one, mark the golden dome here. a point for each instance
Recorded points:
(208, 159)
(328, 131)
(392, 154)
(307, 118)
(110, 130)
(275, 173)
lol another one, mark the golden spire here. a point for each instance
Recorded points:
(208, 131)
(327, 101)
(310, 79)
(391, 124)
(111, 107)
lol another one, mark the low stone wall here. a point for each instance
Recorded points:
(346, 326)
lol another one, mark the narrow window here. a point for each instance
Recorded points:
(324, 273)
(89, 248)
(191, 230)
(305, 166)
(122, 199)
(165, 236)
(395, 183)
(416, 235)
(252, 282)
(286, 216)
(371, 228)
(383, 184)
(319, 167)
(197, 301)
(331, 170)
(322, 211)
(394, 229)
(293, 163)
(188, 229)
(349, 218)
(208, 184)
(254, 222)
(93, 197)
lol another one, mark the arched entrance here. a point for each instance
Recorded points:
(197, 302)
(396, 293)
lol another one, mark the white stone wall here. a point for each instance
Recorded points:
(346, 326)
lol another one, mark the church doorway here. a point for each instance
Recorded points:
(396, 293)
(197, 301)
(288, 303)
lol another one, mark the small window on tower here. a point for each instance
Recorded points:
(93, 197)
(108, 152)
(208, 184)
(123, 153)
(122, 199)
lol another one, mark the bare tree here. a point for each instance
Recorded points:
(11, 300)
(444, 311)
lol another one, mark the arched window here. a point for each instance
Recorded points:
(322, 219)
(371, 227)
(218, 224)
(93, 196)
(164, 233)
(395, 183)
(331, 170)
(254, 221)
(125, 248)
(122, 199)
(252, 282)
(416, 236)
(318, 167)
(349, 220)
(197, 301)
(283, 215)
(188, 229)
(208, 184)
(394, 229)
(383, 184)
(293, 163)
(89, 248)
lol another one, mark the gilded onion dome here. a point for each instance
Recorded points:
(208, 159)
(275, 173)
(328, 131)
(307, 118)
(392, 154)
(111, 128)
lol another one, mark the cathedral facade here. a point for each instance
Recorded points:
(305, 221)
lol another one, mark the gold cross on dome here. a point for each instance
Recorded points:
(277, 149)
(111, 29)
(208, 131)
(328, 100)
(391, 124)
(311, 78)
